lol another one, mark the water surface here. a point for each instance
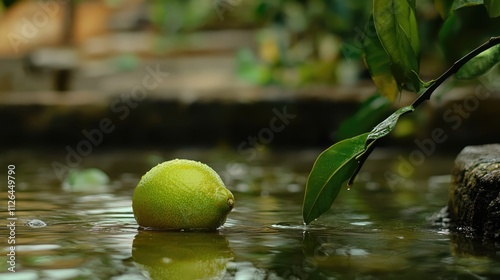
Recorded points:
(376, 230)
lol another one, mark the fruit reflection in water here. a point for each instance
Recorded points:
(181, 255)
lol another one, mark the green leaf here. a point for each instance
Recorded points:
(413, 4)
(479, 64)
(379, 63)
(466, 3)
(383, 128)
(332, 168)
(444, 7)
(397, 30)
(493, 7)
(370, 113)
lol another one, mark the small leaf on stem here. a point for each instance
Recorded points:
(386, 126)
(479, 64)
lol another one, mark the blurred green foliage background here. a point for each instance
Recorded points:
(319, 41)
(316, 41)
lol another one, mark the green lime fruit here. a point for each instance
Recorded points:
(181, 194)
(181, 255)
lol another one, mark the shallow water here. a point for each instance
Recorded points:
(376, 230)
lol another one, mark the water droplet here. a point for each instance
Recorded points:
(36, 223)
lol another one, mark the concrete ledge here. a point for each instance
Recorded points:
(164, 122)
(474, 205)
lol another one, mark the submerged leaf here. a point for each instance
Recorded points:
(479, 64)
(332, 168)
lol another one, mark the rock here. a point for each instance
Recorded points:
(474, 205)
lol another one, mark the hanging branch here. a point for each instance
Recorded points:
(426, 95)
